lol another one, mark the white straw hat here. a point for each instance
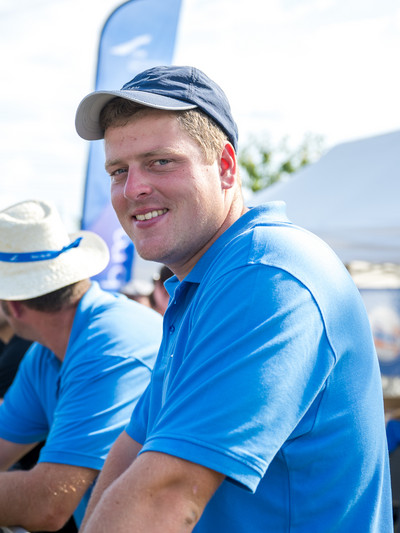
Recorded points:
(37, 256)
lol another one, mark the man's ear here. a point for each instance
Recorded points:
(227, 166)
(15, 308)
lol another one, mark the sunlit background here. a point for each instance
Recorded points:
(289, 67)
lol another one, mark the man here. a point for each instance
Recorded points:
(76, 386)
(265, 409)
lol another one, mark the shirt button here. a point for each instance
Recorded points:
(172, 328)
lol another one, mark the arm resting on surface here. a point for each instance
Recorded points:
(157, 493)
(42, 498)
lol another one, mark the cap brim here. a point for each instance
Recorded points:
(88, 112)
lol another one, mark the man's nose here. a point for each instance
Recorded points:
(136, 185)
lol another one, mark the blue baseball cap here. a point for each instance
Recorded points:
(171, 88)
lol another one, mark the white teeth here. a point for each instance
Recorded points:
(151, 214)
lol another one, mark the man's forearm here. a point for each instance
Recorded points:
(158, 493)
(44, 497)
(17, 506)
(120, 457)
(119, 512)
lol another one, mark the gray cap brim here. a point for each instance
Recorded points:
(88, 112)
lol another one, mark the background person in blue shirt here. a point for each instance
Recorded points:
(76, 386)
(265, 411)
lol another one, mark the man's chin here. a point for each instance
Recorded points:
(149, 254)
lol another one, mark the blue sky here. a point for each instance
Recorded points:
(328, 67)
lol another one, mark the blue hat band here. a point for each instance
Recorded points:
(29, 257)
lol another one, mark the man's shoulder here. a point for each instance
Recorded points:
(265, 239)
(112, 323)
(109, 303)
(36, 360)
(269, 245)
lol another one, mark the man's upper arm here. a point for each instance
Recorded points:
(194, 483)
(91, 413)
(232, 366)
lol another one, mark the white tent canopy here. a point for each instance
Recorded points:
(350, 198)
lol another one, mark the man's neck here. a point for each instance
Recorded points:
(54, 329)
(56, 332)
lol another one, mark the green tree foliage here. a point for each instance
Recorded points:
(263, 164)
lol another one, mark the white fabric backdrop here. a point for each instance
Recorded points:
(350, 198)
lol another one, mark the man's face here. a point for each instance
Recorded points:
(170, 202)
(20, 326)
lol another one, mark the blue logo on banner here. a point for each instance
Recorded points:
(138, 35)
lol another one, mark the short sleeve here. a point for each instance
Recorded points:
(22, 417)
(96, 400)
(243, 373)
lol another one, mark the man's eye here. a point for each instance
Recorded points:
(118, 171)
(118, 174)
(162, 162)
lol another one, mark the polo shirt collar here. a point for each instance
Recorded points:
(271, 212)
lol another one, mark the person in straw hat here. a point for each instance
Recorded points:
(91, 359)
(265, 411)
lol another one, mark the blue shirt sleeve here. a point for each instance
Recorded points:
(79, 415)
(93, 409)
(240, 376)
(22, 416)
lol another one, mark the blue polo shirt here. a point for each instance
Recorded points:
(81, 405)
(267, 373)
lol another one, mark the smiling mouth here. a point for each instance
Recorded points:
(151, 214)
